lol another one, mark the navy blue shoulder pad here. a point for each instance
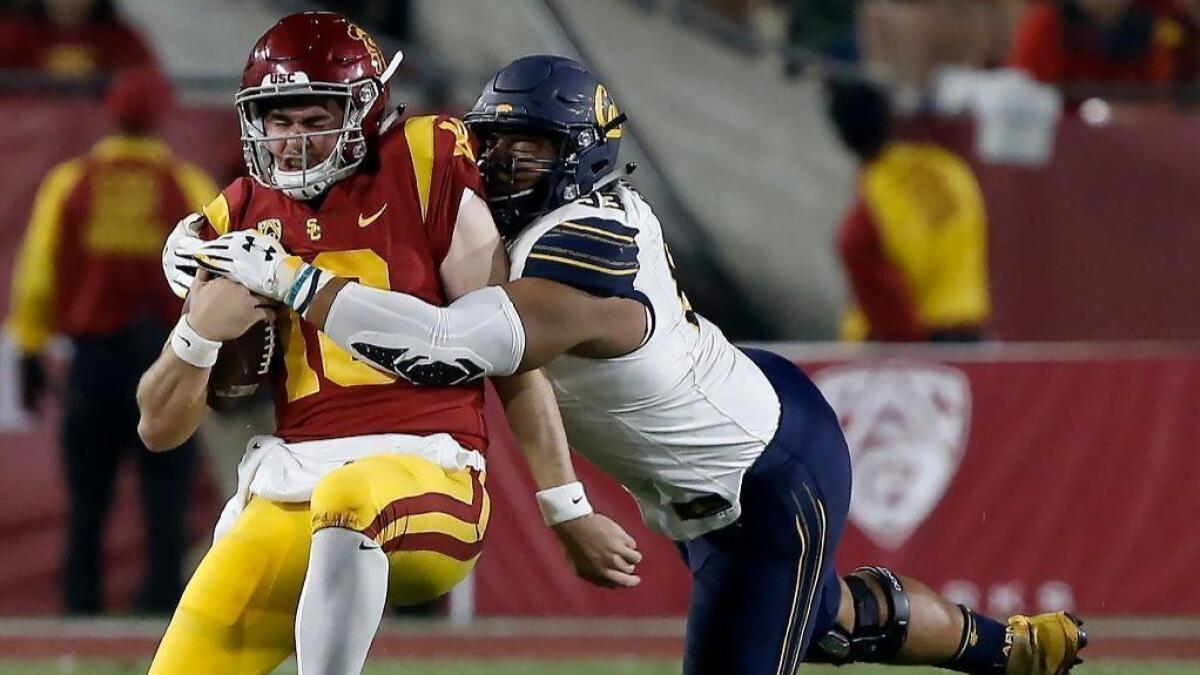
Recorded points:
(595, 255)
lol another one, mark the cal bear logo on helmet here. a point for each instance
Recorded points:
(606, 112)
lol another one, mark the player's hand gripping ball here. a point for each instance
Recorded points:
(245, 325)
(252, 259)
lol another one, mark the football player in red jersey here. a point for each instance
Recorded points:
(372, 489)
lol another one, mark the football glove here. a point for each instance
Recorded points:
(178, 266)
(254, 260)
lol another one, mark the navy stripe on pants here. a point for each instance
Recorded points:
(766, 584)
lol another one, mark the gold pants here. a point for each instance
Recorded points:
(237, 615)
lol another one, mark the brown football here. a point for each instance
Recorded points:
(242, 364)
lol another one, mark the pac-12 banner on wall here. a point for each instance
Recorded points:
(1011, 479)
(1028, 482)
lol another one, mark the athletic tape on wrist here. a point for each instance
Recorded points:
(309, 280)
(191, 347)
(562, 503)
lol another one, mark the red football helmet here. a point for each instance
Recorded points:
(314, 54)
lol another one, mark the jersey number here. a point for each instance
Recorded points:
(339, 367)
(688, 312)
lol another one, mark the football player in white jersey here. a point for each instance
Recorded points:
(733, 453)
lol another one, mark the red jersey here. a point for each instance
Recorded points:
(388, 226)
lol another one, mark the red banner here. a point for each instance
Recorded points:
(1033, 480)
(1027, 479)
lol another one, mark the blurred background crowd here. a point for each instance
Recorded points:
(967, 171)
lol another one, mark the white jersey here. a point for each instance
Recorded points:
(683, 416)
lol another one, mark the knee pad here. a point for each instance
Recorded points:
(872, 640)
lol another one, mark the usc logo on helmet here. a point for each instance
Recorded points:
(362, 36)
(606, 111)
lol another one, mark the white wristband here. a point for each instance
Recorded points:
(562, 503)
(191, 347)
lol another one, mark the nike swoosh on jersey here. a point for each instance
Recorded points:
(363, 222)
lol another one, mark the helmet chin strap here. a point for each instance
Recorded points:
(392, 67)
(392, 117)
(295, 184)
(624, 171)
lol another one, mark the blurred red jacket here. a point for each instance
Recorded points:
(71, 53)
(90, 262)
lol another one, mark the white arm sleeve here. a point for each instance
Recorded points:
(478, 335)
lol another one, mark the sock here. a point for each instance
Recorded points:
(981, 649)
(341, 603)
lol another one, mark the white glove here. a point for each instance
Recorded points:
(254, 260)
(178, 265)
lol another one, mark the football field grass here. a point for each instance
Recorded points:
(607, 667)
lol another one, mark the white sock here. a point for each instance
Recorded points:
(341, 604)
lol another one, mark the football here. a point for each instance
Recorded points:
(242, 363)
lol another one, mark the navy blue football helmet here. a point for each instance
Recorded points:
(549, 97)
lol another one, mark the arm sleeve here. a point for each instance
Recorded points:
(30, 320)
(478, 335)
(879, 286)
(595, 255)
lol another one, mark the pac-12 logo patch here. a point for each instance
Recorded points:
(906, 425)
(272, 227)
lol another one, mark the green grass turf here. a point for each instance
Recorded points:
(610, 667)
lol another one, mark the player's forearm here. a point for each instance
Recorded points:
(170, 398)
(482, 332)
(532, 413)
(478, 335)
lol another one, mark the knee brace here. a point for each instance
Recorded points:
(872, 640)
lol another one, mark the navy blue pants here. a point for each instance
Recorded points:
(765, 585)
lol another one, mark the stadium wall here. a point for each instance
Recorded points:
(1012, 477)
